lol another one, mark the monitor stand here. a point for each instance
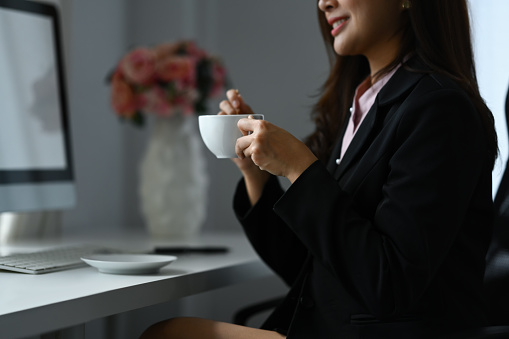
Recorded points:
(27, 226)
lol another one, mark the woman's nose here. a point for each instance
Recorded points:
(326, 5)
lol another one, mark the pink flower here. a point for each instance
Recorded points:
(138, 66)
(193, 50)
(176, 68)
(123, 99)
(185, 102)
(155, 101)
(165, 80)
(165, 50)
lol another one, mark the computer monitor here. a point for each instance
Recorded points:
(36, 170)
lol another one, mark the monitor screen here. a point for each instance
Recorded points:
(36, 171)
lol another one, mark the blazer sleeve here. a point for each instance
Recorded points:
(388, 259)
(272, 239)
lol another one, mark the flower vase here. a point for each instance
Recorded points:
(173, 180)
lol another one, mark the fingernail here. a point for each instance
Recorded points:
(235, 103)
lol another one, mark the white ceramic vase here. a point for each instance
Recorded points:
(173, 179)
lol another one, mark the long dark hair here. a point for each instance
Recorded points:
(443, 43)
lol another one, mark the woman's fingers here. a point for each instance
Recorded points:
(245, 145)
(231, 105)
(246, 127)
(242, 145)
(234, 104)
(234, 99)
(226, 107)
(249, 125)
(237, 102)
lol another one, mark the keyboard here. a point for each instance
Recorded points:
(50, 260)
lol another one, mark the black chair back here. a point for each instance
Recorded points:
(496, 279)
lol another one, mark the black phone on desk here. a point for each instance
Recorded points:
(190, 250)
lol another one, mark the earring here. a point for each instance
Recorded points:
(406, 4)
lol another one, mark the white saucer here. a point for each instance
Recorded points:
(128, 263)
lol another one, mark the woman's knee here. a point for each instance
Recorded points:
(198, 328)
(178, 328)
(171, 328)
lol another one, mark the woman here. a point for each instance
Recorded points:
(383, 232)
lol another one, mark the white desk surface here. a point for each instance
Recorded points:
(57, 300)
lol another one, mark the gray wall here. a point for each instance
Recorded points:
(274, 55)
(271, 49)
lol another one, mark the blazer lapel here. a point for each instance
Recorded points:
(398, 87)
(358, 141)
(331, 165)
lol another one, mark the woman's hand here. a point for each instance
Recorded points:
(254, 177)
(234, 104)
(273, 149)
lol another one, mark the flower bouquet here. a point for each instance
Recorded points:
(168, 79)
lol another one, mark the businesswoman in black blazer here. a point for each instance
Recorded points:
(384, 229)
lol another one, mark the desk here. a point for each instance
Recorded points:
(53, 301)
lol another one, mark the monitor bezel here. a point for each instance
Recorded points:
(9, 177)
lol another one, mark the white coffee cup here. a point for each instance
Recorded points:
(220, 132)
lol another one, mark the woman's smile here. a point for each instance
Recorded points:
(372, 28)
(338, 24)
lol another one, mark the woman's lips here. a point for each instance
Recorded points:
(337, 24)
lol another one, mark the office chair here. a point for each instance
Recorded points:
(242, 316)
(496, 280)
(497, 261)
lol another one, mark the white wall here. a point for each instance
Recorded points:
(491, 32)
(96, 33)
(274, 57)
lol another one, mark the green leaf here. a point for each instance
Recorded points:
(200, 106)
(138, 119)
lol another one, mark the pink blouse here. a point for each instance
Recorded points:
(365, 96)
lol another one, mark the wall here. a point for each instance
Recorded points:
(96, 33)
(277, 61)
(491, 29)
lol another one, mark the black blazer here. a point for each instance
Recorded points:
(390, 243)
